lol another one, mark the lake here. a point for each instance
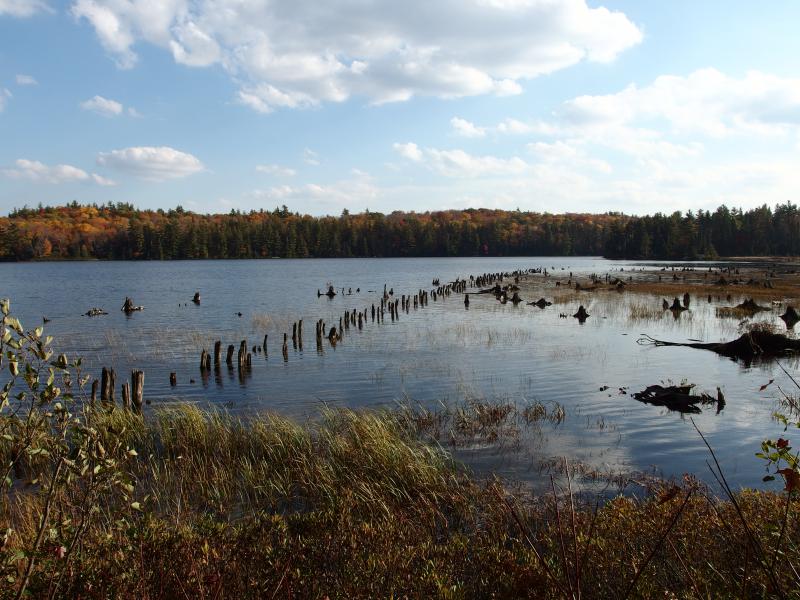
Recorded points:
(442, 354)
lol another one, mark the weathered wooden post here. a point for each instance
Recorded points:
(217, 353)
(126, 396)
(229, 357)
(285, 347)
(95, 383)
(173, 379)
(107, 384)
(104, 386)
(241, 357)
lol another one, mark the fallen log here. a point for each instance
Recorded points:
(753, 344)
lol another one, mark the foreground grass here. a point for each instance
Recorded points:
(354, 505)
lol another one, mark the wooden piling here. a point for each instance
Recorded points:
(126, 396)
(217, 353)
(137, 390)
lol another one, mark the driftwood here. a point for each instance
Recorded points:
(754, 344)
(496, 290)
(541, 303)
(675, 397)
(95, 312)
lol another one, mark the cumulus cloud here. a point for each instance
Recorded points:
(408, 150)
(23, 8)
(33, 170)
(104, 181)
(466, 128)
(102, 106)
(457, 163)
(357, 191)
(151, 163)
(26, 80)
(277, 170)
(671, 118)
(706, 101)
(285, 54)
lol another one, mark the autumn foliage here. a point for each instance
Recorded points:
(119, 231)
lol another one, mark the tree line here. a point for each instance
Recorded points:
(120, 231)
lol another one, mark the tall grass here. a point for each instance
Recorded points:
(355, 505)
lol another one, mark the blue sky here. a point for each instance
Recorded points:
(546, 105)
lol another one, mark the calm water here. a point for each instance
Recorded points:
(442, 353)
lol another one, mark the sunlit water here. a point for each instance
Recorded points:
(442, 353)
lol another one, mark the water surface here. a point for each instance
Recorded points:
(441, 354)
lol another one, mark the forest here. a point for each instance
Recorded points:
(122, 232)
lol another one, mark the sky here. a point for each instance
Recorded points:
(326, 105)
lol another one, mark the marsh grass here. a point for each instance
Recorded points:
(639, 311)
(354, 504)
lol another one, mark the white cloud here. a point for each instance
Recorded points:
(409, 151)
(104, 181)
(102, 106)
(358, 191)
(38, 172)
(288, 54)
(23, 8)
(705, 102)
(467, 129)
(566, 154)
(132, 112)
(277, 170)
(26, 80)
(151, 163)
(310, 157)
(4, 96)
(457, 163)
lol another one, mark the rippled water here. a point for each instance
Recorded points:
(439, 354)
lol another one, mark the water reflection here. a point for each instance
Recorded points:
(430, 353)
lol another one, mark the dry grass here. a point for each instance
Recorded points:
(355, 506)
